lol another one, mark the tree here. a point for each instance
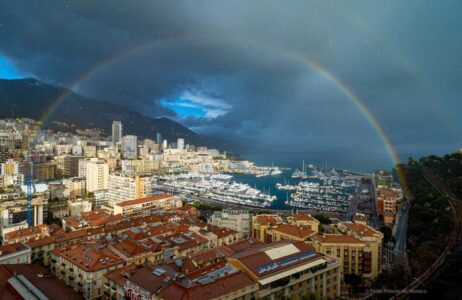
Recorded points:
(387, 234)
(352, 279)
(323, 219)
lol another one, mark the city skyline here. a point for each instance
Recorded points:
(282, 74)
(243, 150)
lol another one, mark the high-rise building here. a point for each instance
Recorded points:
(165, 144)
(180, 144)
(116, 131)
(159, 138)
(122, 187)
(67, 165)
(10, 167)
(130, 147)
(97, 174)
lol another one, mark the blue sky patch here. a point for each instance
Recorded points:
(7, 71)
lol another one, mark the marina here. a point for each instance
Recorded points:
(311, 188)
(217, 187)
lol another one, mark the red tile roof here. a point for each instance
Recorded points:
(361, 229)
(257, 257)
(337, 239)
(221, 232)
(90, 257)
(145, 279)
(130, 248)
(50, 286)
(206, 256)
(295, 231)
(144, 200)
(303, 217)
(266, 220)
(245, 245)
(94, 218)
(120, 275)
(12, 248)
(39, 230)
(218, 288)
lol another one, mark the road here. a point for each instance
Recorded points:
(401, 231)
(363, 203)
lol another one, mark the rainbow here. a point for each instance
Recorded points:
(373, 121)
(292, 55)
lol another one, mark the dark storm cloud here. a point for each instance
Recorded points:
(402, 59)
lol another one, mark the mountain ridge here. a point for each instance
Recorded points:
(29, 97)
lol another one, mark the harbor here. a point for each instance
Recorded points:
(271, 188)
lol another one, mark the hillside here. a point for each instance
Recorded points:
(31, 98)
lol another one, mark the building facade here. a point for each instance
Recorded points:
(130, 147)
(97, 175)
(289, 270)
(237, 220)
(117, 131)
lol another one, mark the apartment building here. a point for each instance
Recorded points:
(304, 220)
(262, 224)
(144, 206)
(289, 269)
(349, 250)
(75, 187)
(387, 202)
(122, 187)
(17, 253)
(97, 175)
(372, 238)
(82, 267)
(291, 232)
(234, 219)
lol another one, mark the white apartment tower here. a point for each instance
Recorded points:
(180, 144)
(97, 175)
(123, 187)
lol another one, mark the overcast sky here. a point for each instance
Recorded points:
(233, 68)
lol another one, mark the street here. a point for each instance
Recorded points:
(401, 231)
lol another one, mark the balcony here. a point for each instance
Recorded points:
(89, 282)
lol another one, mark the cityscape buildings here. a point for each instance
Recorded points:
(110, 221)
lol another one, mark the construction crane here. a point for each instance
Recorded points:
(29, 183)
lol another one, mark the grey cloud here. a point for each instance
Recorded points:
(405, 68)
